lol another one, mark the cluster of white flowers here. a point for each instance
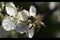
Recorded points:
(15, 19)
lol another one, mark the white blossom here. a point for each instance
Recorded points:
(17, 21)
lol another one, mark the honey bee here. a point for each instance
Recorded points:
(36, 22)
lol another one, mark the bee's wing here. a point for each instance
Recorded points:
(11, 9)
(42, 24)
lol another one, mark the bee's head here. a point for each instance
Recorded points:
(31, 18)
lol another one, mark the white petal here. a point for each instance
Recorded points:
(8, 24)
(32, 11)
(30, 33)
(52, 5)
(25, 15)
(30, 25)
(21, 28)
(11, 9)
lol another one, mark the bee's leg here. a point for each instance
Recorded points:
(38, 28)
(31, 27)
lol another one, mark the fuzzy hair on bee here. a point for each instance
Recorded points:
(36, 22)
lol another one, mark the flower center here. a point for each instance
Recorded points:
(15, 18)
